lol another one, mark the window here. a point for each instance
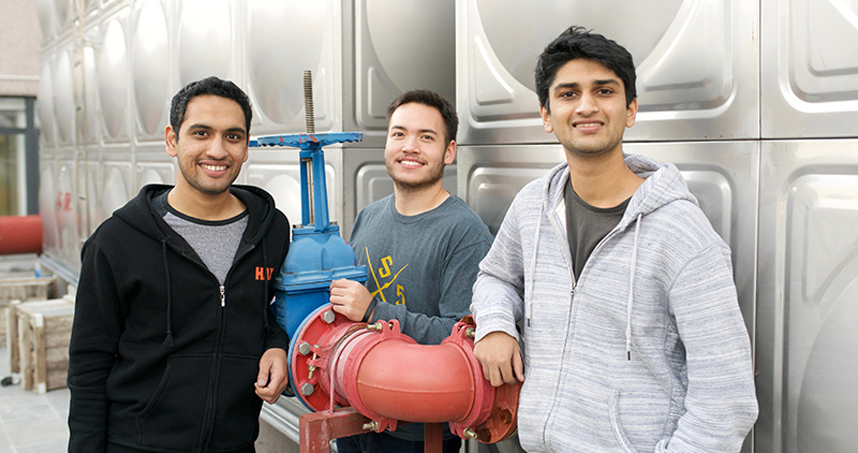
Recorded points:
(19, 156)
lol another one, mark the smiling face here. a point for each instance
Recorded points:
(588, 109)
(210, 146)
(416, 150)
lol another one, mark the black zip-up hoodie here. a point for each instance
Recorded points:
(162, 358)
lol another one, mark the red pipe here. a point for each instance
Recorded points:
(20, 234)
(388, 377)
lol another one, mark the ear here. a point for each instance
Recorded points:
(631, 112)
(546, 119)
(450, 153)
(170, 140)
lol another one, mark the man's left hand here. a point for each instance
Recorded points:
(350, 298)
(272, 379)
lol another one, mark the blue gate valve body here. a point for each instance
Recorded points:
(317, 254)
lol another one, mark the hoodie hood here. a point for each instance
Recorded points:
(663, 184)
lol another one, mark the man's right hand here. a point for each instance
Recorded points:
(500, 357)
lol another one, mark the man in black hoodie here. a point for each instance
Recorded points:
(172, 348)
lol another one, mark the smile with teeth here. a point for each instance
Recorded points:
(588, 124)
(214, 167)
(411, 163)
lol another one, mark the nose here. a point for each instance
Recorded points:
(588, 105)
(217, 148)
(409, 145)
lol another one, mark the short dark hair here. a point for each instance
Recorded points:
(431, 99)
(212, 86)
(577, 42)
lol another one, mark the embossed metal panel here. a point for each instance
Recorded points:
(113, 78)
(46, 105)
(283, 39)
(808, 297)
(115, 185)
(205, 40)
(66, 210)
(400, 46)
(809, 68)
(150, 76)
(63, 90)
(153, 172)
(696, 63)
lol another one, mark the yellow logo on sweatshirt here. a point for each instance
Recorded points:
(385, 271)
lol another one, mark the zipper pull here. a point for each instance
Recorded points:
(222, 296)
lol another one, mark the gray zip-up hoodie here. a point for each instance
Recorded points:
(647, 351)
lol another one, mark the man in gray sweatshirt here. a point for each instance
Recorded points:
(633, 338)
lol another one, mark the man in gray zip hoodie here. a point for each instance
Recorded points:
(633, 338)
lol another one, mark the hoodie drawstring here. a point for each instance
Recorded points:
(632, 290)
(527, 307)
(168, 341)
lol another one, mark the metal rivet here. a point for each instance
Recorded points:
(307, 389)
(329, 316)
(371, 426)
(470, 333)
(304, 348)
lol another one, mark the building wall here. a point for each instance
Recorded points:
(19, 41)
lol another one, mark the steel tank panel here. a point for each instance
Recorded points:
(93, 196)
(809, 83)
(67, 211)
(696, 64)
(366, 181)
(283, 39)
(722, 176)
(63, 90)
(279, 173)
(47, 212)
(152, 170)
(400, 46)
(116, 186)
(87, 117)
(47, 19)
(65, 10)
(808, 297)
(47, 135)
(113, 78)
(205, 38)
(150, 69)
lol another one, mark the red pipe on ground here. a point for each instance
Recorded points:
(20, 234)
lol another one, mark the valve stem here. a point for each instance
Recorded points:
(308, 102)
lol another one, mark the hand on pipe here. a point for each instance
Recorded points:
(500, 356)
(350, 299)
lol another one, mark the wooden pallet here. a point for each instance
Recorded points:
(22, 286)
(39, 340)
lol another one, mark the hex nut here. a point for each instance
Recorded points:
(307, 389)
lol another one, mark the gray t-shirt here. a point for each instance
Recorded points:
(421, 269)
(587, 225)
(215, 242)
(422, 266)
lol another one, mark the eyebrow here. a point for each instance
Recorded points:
(431, 131)
(239, 130)
(600, 82)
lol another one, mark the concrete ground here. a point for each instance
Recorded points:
(29, 422)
